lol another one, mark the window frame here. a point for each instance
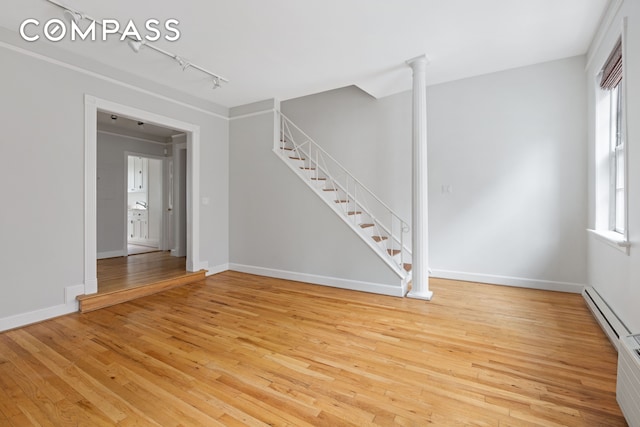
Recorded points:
(611, 146)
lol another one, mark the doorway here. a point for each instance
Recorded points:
(145, 205)
(191, 137)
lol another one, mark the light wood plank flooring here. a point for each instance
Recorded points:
(136, 270)
(237, 349)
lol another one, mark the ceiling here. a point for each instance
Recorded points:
(289, 48)
(108, 122)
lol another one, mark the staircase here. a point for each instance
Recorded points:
(370, 218)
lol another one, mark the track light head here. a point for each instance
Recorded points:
(184, 64)
(114, 117)
(135, 45)
(72, 16)
(216, 82)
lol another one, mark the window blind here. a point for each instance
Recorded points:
(612, 70)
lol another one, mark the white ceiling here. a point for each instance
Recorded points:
(132, 127)
(291, 48)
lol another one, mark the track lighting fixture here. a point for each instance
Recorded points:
(72, 16)
(114, 117)
(140, 124)
(134, 43)
(184, 64)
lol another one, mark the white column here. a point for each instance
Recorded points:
(419, 190)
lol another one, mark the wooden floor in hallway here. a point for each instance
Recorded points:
(124, 279)
(136, 270)
(237, 349)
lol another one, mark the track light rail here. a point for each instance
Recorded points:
(136, 44)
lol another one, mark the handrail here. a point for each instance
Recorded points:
(396, 241)
(342, 167)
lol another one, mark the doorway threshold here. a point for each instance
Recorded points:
(126, 278)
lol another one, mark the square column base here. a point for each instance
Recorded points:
(420, 295)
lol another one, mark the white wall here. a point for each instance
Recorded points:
(42, 106)
(512, 147)
(111, 194)
(280, 228)
(615, 275)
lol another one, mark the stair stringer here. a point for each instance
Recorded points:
(379, 250)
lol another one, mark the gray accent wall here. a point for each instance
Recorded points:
(42, 165)
(278, 224)
(507, 168)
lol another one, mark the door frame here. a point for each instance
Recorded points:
(91, 106)
(162, 241)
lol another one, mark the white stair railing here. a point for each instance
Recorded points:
(359, 206)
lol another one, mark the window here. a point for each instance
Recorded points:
(617, 163)
(610, 153)
(610, 144)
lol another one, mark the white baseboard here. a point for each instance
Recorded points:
(217, 269)
(23, 319)
(355, 285)
(519, 282)
(177, 253)
(612, 326)
(111, 254)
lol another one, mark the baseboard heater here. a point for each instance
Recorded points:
(628, 384)
(609, 322)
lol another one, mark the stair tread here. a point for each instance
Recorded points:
(297, 158)
(379, 238)
(366, 225)
(286, 148)
(393, 252)
(329, 189)
(341, 201)
(354, 213)
(307, 169)
(407, 266)
(319, 179)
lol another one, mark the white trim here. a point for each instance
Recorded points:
(111, 254)
(603, 28)
(520, 282)
(90, 194)
(258, 113)
(354, 285)
(23, 319)
(92, 105)
(609, 322)
(108, 79)
(613, 239)
(193, 199)
(135, 138)
(625, 133)
(217, 269)
(71, 292)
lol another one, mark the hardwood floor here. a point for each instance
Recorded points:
(124, 279)
(237, 349)
(135, 270)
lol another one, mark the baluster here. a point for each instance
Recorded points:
(401, 244)
(355, 202)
